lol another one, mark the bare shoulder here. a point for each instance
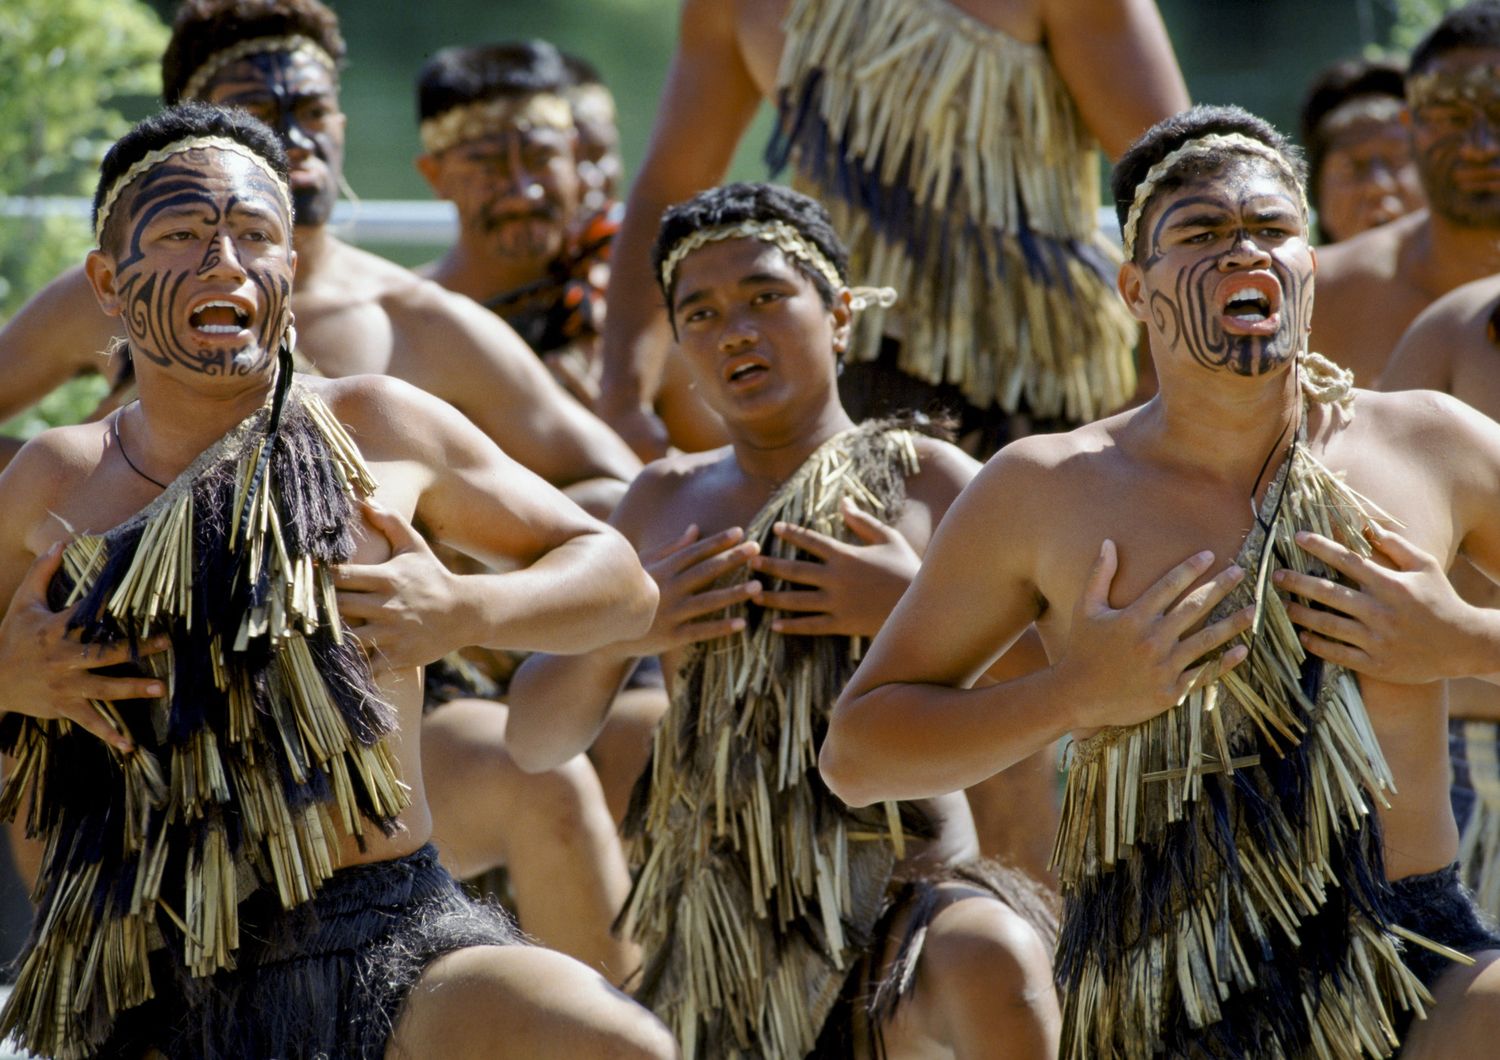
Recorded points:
(387, 417)
(1427, 425)
(1372, 255)
(48, 470)
(646, 514)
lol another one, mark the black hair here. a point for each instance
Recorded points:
(460, 75)
(178, 123)
(1475, 25)
(734, 203)
(582, 72)
(1171, 133)
(1332, 88)
(202, 28)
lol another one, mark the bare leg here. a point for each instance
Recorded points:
(1465, 1022)
(624, 744)
(984, 976)
(551, 830)
(492, 1002)
(1016, 813)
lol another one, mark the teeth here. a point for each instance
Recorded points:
(220, 329)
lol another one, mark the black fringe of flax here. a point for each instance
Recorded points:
(267, 745)
(1221, 867)
(954, 161)
(757, 887)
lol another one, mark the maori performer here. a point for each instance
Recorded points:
(775, 921)
(229, 793)
(1257, 851)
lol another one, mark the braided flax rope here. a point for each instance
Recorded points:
(293, 44)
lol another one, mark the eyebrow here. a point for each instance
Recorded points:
(752, 280)
(1203, 217)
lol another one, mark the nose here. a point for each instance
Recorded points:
(294, 136)
(738, 334)
(1244, 253)
(221, 261)
(1481, 141)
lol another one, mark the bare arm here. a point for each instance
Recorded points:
(58, 334)
(579, 584)
(1118, 64)
(464, 354)
(706, 105)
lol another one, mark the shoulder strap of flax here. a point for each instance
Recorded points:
(758, 887)
(955, 162)
(268, 745)
(1224, 893)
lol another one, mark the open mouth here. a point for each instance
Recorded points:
(1252, 305)
(219, 317)
(745, 371)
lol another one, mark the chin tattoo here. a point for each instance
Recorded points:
(1187, 317)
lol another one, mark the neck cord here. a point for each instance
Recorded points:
(120, 444)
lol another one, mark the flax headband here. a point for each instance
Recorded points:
(294, 44)
(1202, 145)
(592, 100)
(161, 154)
(1445, 86)
(474, 121)
(790, 242)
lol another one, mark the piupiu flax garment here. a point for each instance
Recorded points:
(956, 165)
(1474, 751)
(267, 747)
(1220, 864)
(757, 887)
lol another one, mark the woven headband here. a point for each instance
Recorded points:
(1147, 187)
(294, 44)
(1472, 82)
(161, 154)
(786, 239)
(474, 121)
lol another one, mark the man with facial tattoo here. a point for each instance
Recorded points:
(1372, 287)
(1256, 850)
(357, 313)
(214, 732)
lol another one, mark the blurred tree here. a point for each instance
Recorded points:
(67, 67)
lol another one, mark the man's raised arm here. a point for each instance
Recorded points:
(706, 105)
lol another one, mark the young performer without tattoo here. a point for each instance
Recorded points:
(214, 733)
(1240, 586)
(759, 894)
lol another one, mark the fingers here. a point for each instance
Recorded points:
(806, 625)
(110, 689)
(1401, 552)
(1345, 655)
(707, 603)
(88, 717)
(800, 571)
(393, 526)
(1204, 599)
(1214, 636)
(1352, 566)
(361, 577)
(706, 572)
(810, 541)
(1342, 598)
(1095, 599)
(358, 605)
(1328, 623)
(1210, 671)
(690, 632)
(34, 585)
(92, 656)
(797, 600)
(1172, 584)
(709, 546)
(684, 539)
(864, 525)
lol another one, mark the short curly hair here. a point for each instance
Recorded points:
(1475, 25)
(187, 119)
(1171, 133)
(734, 203)
(202, 28)
(467, 74)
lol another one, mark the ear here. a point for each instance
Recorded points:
(843, 319)
(99, 267)
(1132, 286)
(432, 172)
